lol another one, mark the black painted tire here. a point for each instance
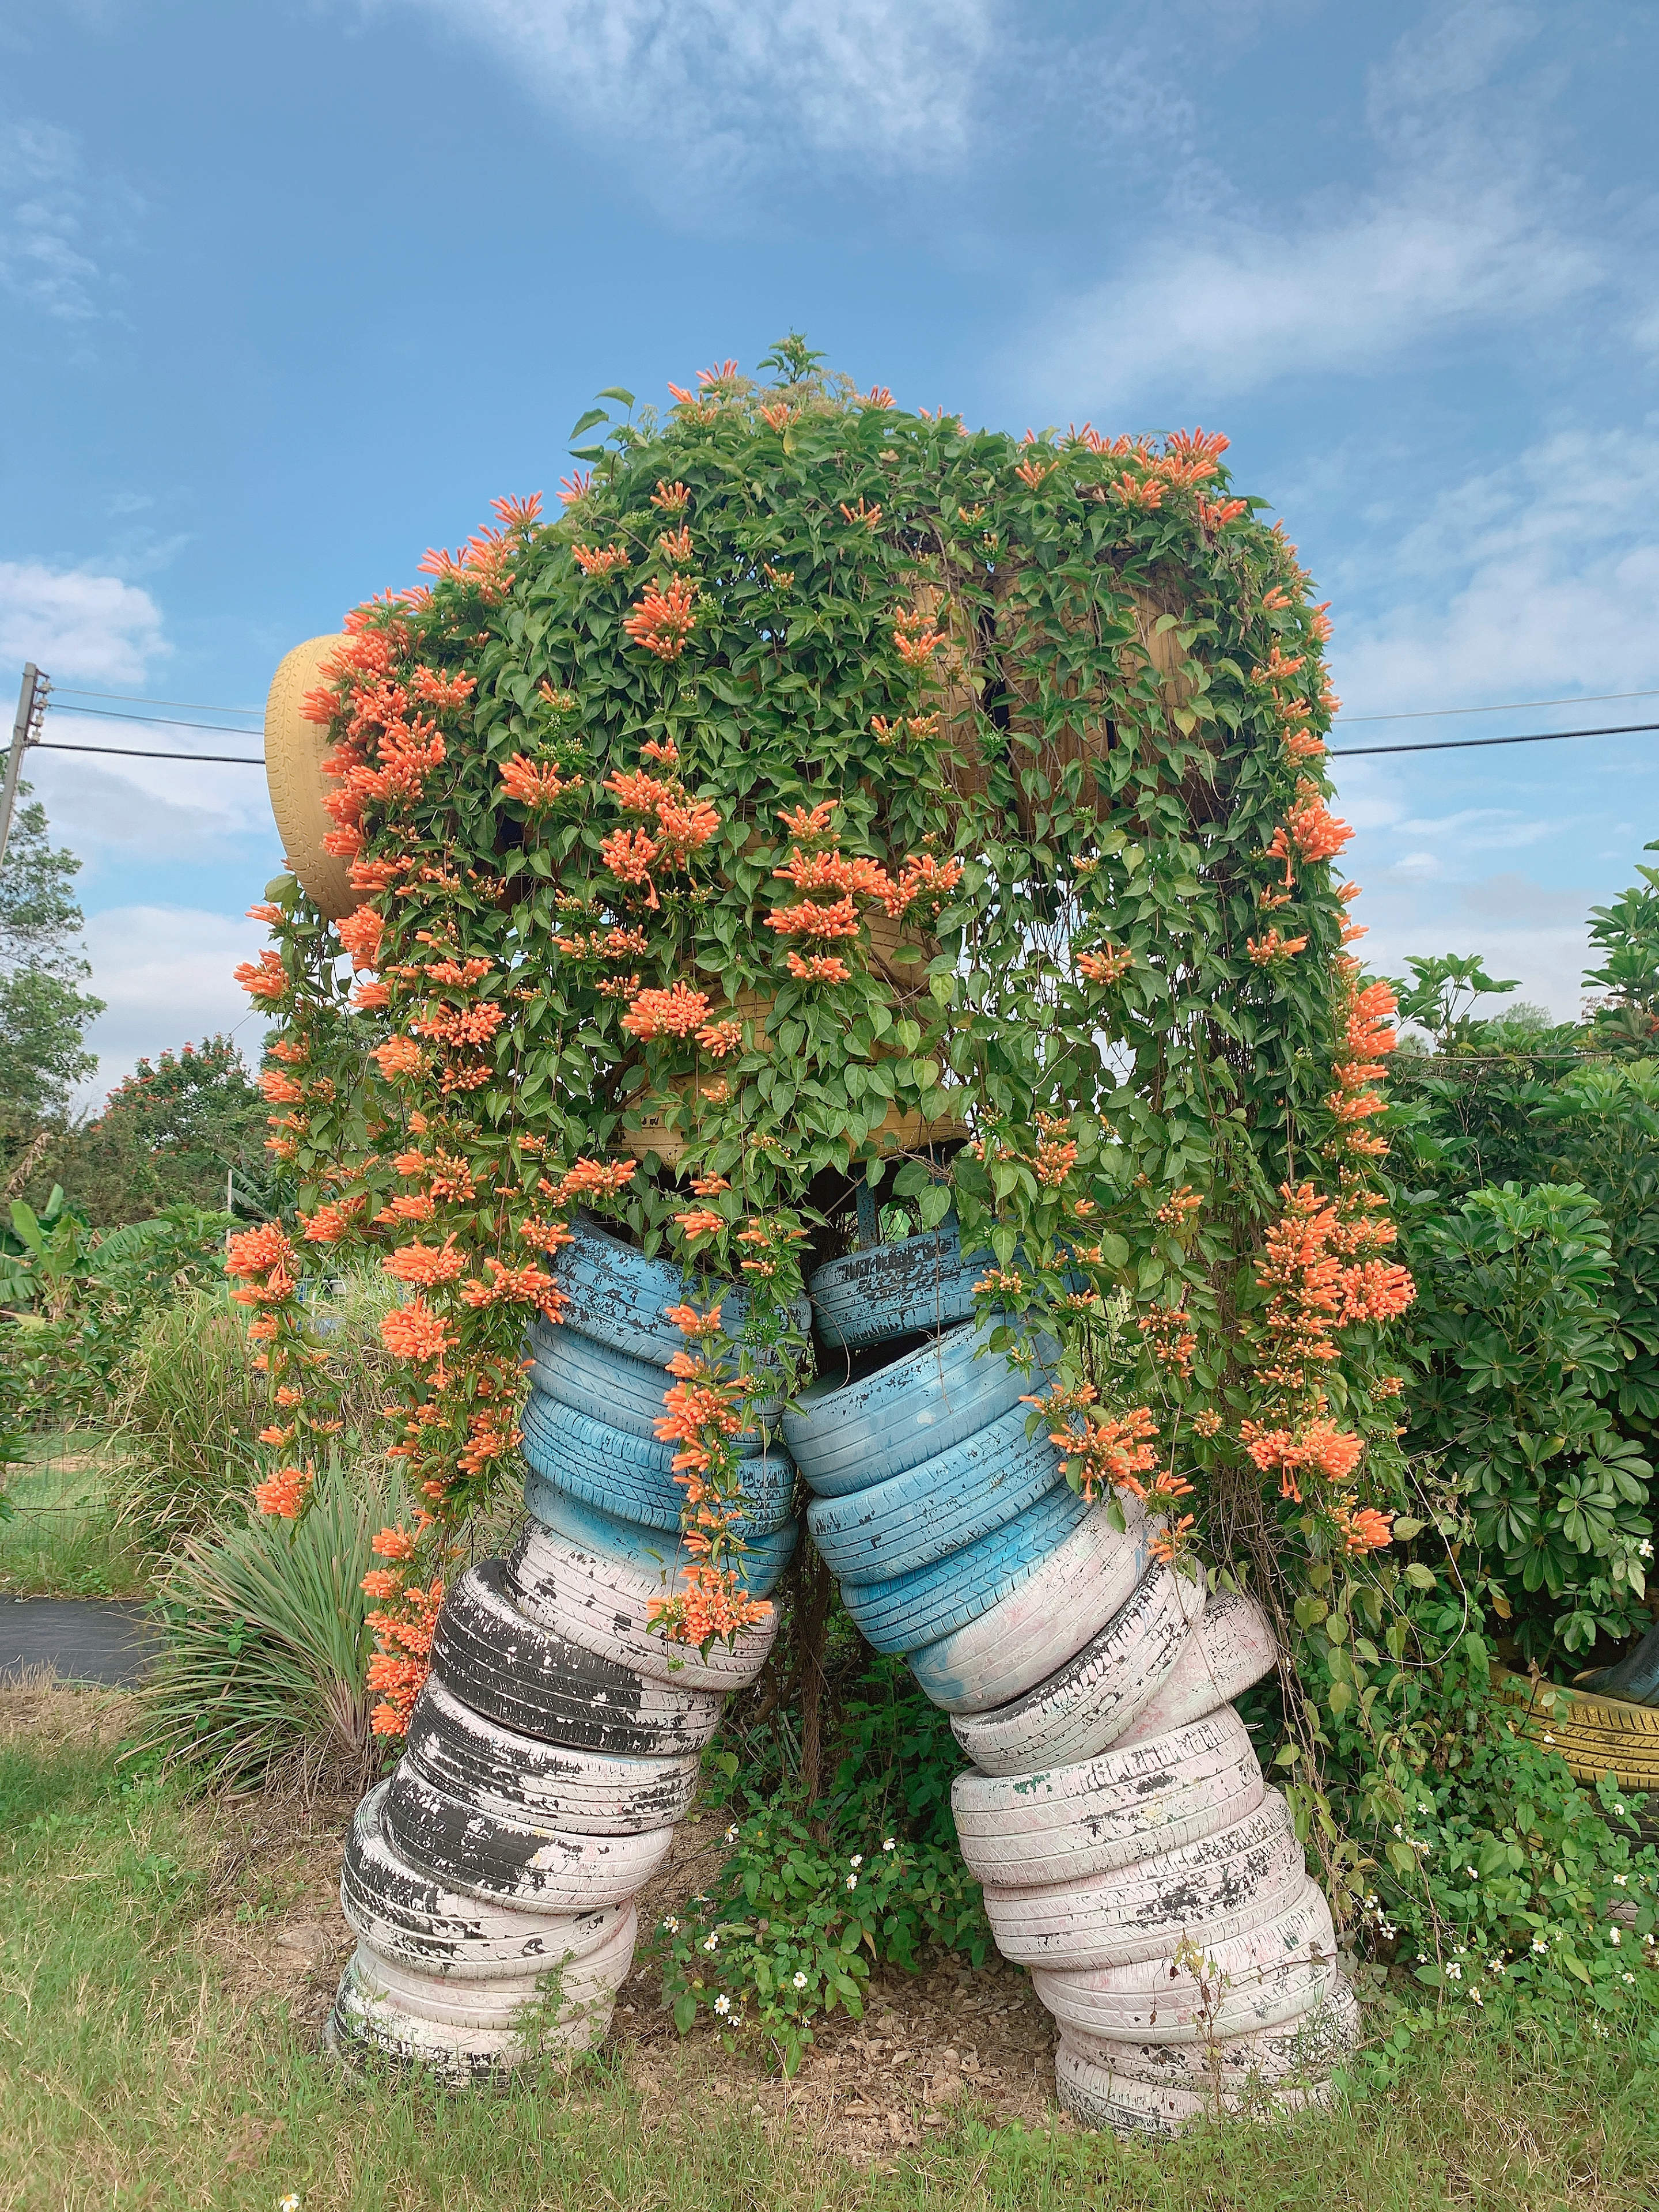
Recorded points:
(407, 1914)
(525, 1675)
(505, 1772)
(514, 1862)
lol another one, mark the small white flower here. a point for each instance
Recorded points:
(1618, 1809)
(1497, 1966)
(288, 2204)
(851, 1881)
(1627, 1977)
(711, 1942)
(1473, 1873)
(891, 1845)
(1615, 1935)
(1621, 1879)
(800, 1981)
(857, 1859)
(1455, 1972)
(1548, 1738)
(1600, 2030)
(1644, 1549)
(1476, 1995)
(732, 1833)
(670, 1925)
(722, 2003)
(1539, 1944)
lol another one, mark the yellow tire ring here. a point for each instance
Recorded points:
(293, 752)
(1595, 1735)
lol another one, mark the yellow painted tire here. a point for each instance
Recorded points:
(293, 752)
(1595, 1735)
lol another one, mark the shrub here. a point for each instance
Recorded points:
(264, 1643)
(793, 1925)
(1516, 1338)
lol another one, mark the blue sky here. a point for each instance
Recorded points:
(288, 292)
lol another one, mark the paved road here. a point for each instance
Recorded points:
(86, 1639)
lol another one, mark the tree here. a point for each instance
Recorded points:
(171, 1132)
(44, 1011)
(1627, 932)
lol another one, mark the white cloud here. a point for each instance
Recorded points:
(166, 974)
(149, 809)
(1537, 579)
(46, 212)
(1519, 927)
(1464, 225)
(724, 84)
(72, 623)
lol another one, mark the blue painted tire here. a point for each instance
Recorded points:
(844, 1434)
(896, 1526)
(620, 1298)
(632, 1477)
(893, 1289)
(606, 1385)
(653, 1552)
(909, 1611)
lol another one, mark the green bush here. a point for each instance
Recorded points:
(1516, 1337)
(264, 1643)
(793, 1925)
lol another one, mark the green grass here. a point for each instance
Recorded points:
(129, 2075)
(63, 1538)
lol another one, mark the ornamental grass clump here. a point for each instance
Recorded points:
(832, 796)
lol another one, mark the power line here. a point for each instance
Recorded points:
(136, 699)
(1466, 744)
(133, 752)
(1515, 706)
(171, 722)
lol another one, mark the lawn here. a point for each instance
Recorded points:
(61, 1540)
(166, 1968)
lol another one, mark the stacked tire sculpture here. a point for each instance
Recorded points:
(490, 1880)
(1132, 1856)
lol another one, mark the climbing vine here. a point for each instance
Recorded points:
(831, 796)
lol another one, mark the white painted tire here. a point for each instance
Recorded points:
(1087, 1700)
(1270, 1974)
(601, 1603)
(512, 1861)
(1025, 1635)
(404, 1913)
(1231, 1647)
(517, 1778)
(533, 1680)
(561, 1992)
(1097, 2098)
(1222, 1885)
(1303, 2046)
(370, 2024)
(1066, 1823)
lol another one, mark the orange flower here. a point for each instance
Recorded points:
(593, 561)
(371, 997)
(398, 1056)
(534, 784)
(266, 979)
(415, 1332)
(916, 641)
(285, 1492)
(818, 967)
(425, 1264)
(699, 1223)
(1109, 965)
(675, 1012)
(663, 620)
(630, 854)
(672, 499)
(675, 545)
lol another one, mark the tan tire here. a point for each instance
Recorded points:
(293, 753)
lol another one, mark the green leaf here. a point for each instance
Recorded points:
(593, 415)
(934, 1205)
(611, 392)
(1418, 1576)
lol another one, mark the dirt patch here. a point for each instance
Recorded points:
(36, 1707)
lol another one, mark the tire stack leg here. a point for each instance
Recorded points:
(491, 1880)
(1133, 1854)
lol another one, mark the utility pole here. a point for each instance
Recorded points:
(25, 731)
